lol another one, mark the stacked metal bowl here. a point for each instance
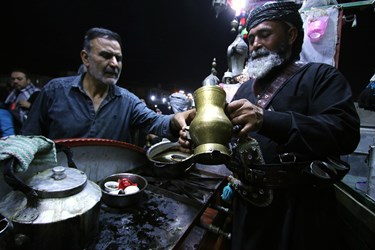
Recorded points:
(113, 195)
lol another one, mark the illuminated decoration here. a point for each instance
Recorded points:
(238, 6)
(241, 9)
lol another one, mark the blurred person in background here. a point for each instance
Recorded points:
(21, 97)
(179, 102)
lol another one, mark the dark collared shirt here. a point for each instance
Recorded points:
(64, 110)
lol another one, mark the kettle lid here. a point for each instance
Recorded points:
(58, 182)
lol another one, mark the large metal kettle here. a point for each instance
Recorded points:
(57, 208)
(211, 129)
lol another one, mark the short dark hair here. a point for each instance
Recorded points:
(99, 32)
(22, 70)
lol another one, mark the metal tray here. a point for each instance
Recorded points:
(161, 220)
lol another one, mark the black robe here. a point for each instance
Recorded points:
(313, 116)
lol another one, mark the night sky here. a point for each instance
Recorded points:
(166, 43)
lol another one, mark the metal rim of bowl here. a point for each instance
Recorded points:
(113, 177)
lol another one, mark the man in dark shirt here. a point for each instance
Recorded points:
(298, 113)
(91, 105)
(21, 97)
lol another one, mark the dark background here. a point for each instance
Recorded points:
(168, 44)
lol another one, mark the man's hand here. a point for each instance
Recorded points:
(181, 120)
(184, 140)
(244, 113)
(24, 104)
(180, 123)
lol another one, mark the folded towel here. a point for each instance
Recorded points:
(36, 150)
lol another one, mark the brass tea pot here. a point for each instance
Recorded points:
(211, 130)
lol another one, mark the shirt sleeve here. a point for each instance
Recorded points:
(35, 123)
(150, 121)
(6, 123)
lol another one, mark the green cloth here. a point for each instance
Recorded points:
(29, 150)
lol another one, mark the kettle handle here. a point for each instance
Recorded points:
(68, 152)
(18, 184)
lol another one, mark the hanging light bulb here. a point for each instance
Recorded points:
(219, 6)
(238, 6)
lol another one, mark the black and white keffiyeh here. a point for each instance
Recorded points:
(276, 10)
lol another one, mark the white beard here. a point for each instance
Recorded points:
(259, 67)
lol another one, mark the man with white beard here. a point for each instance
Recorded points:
(298, 113)
(302, 115)
(262, 61)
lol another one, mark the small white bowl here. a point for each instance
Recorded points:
(111, 186)
(131, 189)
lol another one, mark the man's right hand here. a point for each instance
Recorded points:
(247, 115)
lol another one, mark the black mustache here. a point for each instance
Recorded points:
(112, 71)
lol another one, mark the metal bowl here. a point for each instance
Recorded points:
(123, 200)
(168, 161)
